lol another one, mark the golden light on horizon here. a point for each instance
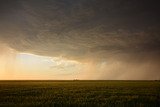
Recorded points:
(15, 65)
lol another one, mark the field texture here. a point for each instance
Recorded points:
(80, 93)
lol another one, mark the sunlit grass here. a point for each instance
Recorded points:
(82, 93)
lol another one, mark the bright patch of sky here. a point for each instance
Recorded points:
(57, 65)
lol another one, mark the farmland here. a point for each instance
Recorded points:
(80, 93)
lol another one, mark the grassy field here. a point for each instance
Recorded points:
(80, 93)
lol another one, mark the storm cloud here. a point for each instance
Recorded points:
(118, 38)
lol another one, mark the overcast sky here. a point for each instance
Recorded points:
(108, 39)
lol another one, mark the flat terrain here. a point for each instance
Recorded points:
(81, 93)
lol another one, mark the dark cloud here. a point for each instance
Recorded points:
(83, 29)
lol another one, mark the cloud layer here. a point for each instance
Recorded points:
(93, 31)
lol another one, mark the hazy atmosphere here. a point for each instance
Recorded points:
(80, 39)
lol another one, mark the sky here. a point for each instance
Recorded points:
(79, 39)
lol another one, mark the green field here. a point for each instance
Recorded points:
(80, 93)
